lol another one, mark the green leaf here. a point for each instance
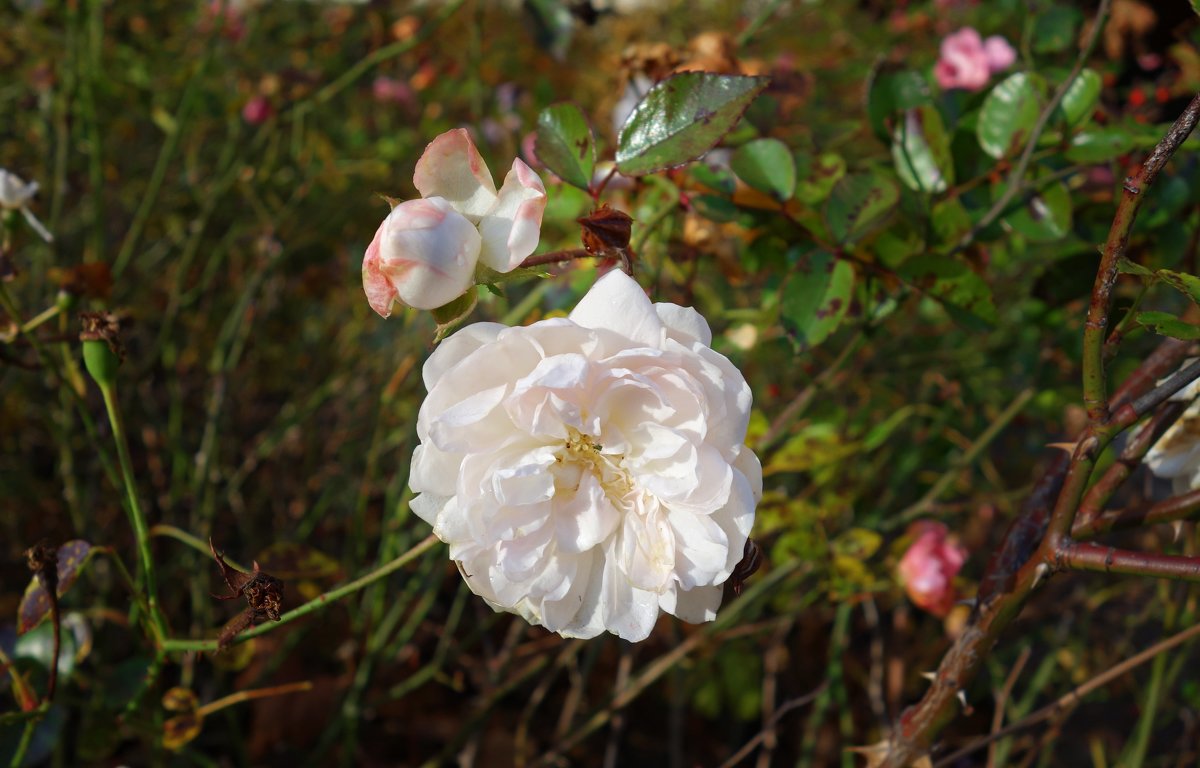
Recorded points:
(1188, 285)
(73, 557)
(1095, 145)
(921, 151)
(1081, 97)
(715, 208)
(1166, 324)
(1045, 216)
(950, 220)
(1127, 267)
(717, 179)
(817, 178)
(859, 203)
(564, 144)
(1008, 115)
(1054, 28)
(953, 283)
(891, 93)
(681, 118)
(766, 165)
(816, 297)
(450, 316)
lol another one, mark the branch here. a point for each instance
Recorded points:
(1176, 508)
(1085, 556)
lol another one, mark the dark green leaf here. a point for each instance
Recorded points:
(766, 165)
(858, 203)
(564, 144)
(1095, 145)
(1166, 324)
(450, 316)
(817, 177)
(921, 151)
(73, 556)
(816, 297)
(718, 179)
(1188, 285)
(1054, 28)
(892, 93)
(953, 283)
(1008, 115)
(1045, 216)
(681, 118)
(715, 208)
(1081, 97)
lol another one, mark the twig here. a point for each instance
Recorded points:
(1086, 556)
(177, 646)
(1167, 511)
(1002, 699)
(1074, 696)
(782, 712)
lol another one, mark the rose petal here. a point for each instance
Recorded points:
(617, 303)
(426, 251)
(511, 229)
(684, 324)
(452, 168)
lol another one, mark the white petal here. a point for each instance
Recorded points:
(511, 229)
(456, 348)
(694, 606)
(433, 470)
(617, 303)
(427, 506)
(426, 250)
(451, 167)
(684, 324)
(586, 518)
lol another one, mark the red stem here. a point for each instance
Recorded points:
(1086, 556)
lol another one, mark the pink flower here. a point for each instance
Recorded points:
(425, 252)
(258, 110)
(928, 568)
(967, 61)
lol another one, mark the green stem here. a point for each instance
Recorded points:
(23, 745)
(317, 603)
(136, 517)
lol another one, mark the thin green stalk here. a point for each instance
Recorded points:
(23, 745)
(136, 517)
(317, 603)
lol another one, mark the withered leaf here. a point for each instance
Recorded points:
(71, 558)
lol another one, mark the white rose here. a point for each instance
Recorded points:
(589, 471)
(425, 252)
(1176, 455)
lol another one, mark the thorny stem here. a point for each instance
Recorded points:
(136, 516)
(317, 603)
(1167, 511)
(1095, 329)
(1086, 556)
(1035, 543)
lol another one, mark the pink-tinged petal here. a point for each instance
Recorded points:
(929, 566)
(452, 168)
(998, 53)
(684, 324)
(426, 251)
(380, 291)
(511, 229)
(963, 62)
(618, 304)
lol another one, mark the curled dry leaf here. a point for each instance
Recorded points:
(69, 560)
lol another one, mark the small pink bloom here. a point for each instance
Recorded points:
(928, 568)
(390, 90)
(258, 110)
(968, 62)
(426, 250)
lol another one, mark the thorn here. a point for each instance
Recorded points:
(1068, 447)
(1038, 574)
(970, 602)
(930, 676)
(962, 699)
(1177, 529)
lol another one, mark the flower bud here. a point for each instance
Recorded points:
(423, 254)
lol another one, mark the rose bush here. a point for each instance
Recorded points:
(1176, 455)
(589, 471)
(425, 252)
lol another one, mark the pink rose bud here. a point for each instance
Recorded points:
(968, 62)
(928, 568)
(423, 254)
(258, 110)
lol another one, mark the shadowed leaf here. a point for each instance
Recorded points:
(35, 605)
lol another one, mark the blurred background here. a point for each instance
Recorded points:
(213, 171)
